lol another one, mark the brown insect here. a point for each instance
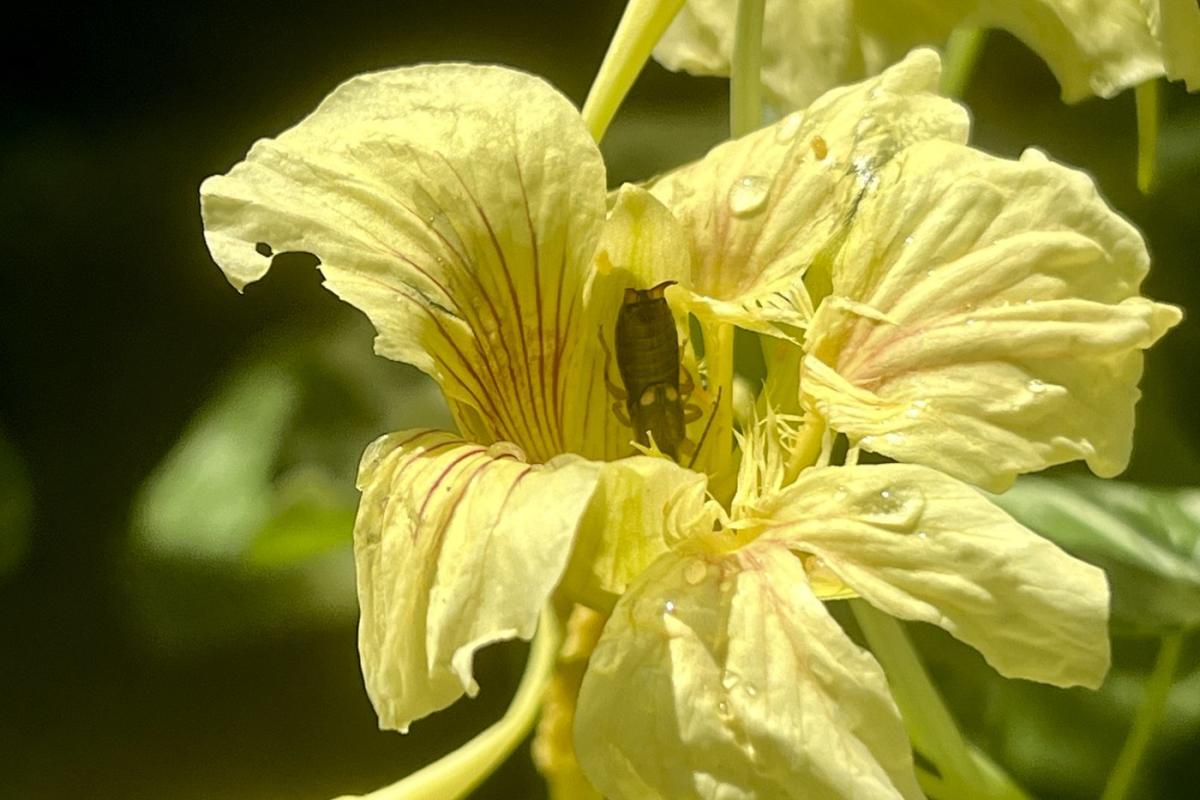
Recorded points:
(656, 386)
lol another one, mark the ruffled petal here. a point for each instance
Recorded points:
(1094, 47)
(724, 677)
(921, 546)
(985, 319)
(1176, 24)
(458, 207)
(626, 526)
(764, 211)
(457, 546)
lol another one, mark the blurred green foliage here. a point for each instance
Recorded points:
(246, 524)
(1146, 540)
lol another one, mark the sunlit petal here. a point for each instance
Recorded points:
(458, 207)
(765, 210)
(923, 546)
(457, 546)
(985, 319)
(1094, 47)
(1176, 23)
(724, 677)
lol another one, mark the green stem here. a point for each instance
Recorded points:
(963, 49)
(1147, 95)
(745, 80)
(1148, 717)
(455, 775)
(929, 722)
(640, 28)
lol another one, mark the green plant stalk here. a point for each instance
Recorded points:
(640, 28)
(1147, 95)
(745, 76)
(963, 50)
(1148, 717)
(456, 774)
(933, 730)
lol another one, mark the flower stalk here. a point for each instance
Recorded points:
(963, 49)
(1148, 114)
(745, 83)
(929, 722)
(640, 28)
(1148, 717)
(458, 773)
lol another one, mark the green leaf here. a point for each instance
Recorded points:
(246, 524)
(1147, 540)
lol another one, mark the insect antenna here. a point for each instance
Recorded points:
(708, 425)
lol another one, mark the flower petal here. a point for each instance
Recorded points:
(625, 527)
(1176, 23)
(457, 546)
(1094, 47)
(922, 546)
(724, 677)
(765, 209)
(985, 319)
(458, 207)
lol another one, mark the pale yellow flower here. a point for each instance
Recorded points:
(459, 207)
(1094, 47)
(1176, 24)
(463, 209)
(721, 673)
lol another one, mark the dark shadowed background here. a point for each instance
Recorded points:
(162, 636)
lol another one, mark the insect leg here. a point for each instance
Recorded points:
(618, 408)
(707, 426)
(616, 391)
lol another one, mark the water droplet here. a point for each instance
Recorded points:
(730, 679)
(750, 689)
(922, 535)
(909, 240)
(788, 127)
(972, 321)
(885, 495)
(669, 607)
(1036, 386)
(723, 708)
(916, 408)
(694, 572)
(748, 195)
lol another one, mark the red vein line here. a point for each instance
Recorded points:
(512, 291)
(438, 482)
(537, 290)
